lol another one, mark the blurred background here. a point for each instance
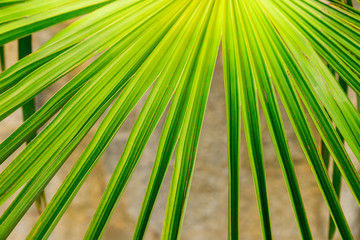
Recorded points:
(206, 214)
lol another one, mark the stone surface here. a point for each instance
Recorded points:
(206, 215)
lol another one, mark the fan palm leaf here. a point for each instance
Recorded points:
(275, 52)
